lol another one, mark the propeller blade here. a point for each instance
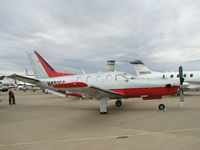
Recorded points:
(181, 91)
(181, 75)
(181, 96)
(181, 71)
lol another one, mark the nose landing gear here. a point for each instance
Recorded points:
(161, 107)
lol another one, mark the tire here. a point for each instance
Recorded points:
(103, 113)
(161, 107)
(118, 103)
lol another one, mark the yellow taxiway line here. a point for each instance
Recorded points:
(99, 138)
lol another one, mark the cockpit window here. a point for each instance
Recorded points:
(109, 77)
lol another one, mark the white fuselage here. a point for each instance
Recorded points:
(108, 80)
(191, 78)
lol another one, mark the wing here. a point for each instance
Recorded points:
(23, 78)
(88, 91)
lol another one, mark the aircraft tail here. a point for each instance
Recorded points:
(140, 68)
(41, 68)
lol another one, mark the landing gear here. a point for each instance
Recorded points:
(103, 106)
(161, 107)
(103, 113)
(118, 103)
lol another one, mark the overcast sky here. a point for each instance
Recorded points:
(75, 35)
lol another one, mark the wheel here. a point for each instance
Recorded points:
(161, 107)
(103, 113)
(118, 103)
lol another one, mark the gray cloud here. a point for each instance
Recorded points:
(84, 34)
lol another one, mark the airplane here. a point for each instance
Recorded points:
(5, 84)
(102, 86)
(191, 78)
(26, 86)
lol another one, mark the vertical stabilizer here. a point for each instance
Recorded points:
(37, 67)
(140, 68)
(41, 68)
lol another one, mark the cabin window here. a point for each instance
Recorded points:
(191, 75)
(163, 76)
(184, 75)
(172, 76)
(99, 78)
(177, 76)
(88, 78)
(109, 77)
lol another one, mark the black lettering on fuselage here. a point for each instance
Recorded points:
(51, 83)
(145, 72)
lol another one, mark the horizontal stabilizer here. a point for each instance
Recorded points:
(23, 78)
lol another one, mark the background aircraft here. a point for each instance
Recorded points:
(25, 85)
(6, 84)
(191, 78)
(99, 86)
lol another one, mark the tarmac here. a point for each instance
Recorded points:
(43, 122)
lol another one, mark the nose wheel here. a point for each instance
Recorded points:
(118, 103)
(161, 107)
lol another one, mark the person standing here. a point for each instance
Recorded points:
(11, 97)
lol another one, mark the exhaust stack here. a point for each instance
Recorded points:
(111, 65)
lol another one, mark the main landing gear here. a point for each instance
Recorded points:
(104, 102)
(103, 106)
(161, 107)
(118, 103)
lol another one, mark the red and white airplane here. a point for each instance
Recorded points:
(99, 86)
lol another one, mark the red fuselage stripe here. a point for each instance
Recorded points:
(70, 85)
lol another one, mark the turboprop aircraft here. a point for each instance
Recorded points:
(99, 86)
(191, 78)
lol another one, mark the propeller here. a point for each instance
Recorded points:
(181, 85)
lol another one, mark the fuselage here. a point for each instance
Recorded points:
(120, 82)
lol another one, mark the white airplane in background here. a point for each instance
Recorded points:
(99, 86)
(191, 78)
(5, 84)
(26, 86)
